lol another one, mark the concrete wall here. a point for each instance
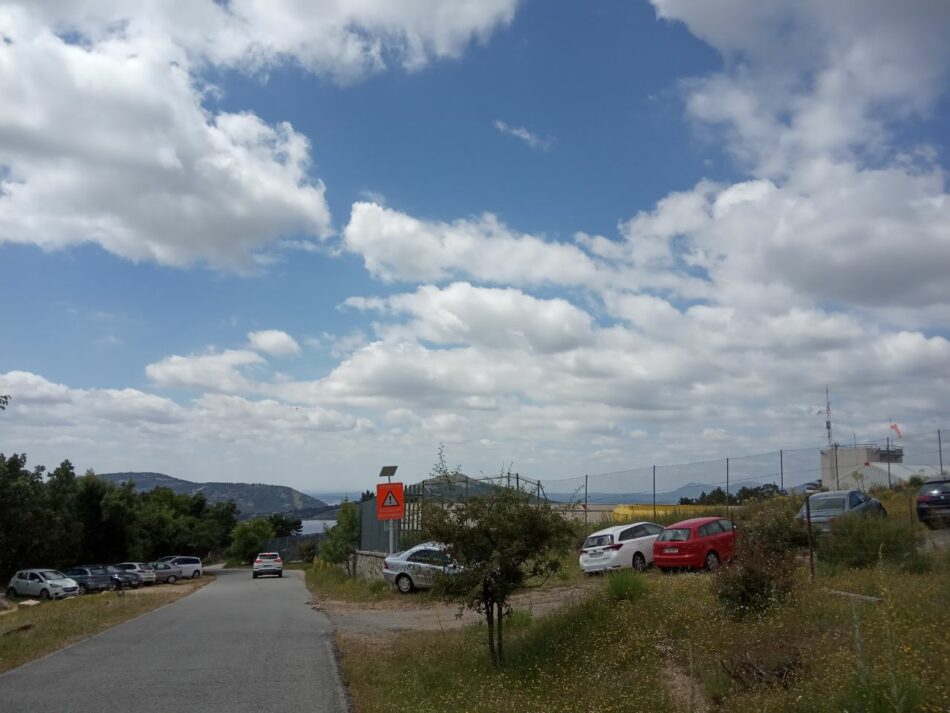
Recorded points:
(369, 565)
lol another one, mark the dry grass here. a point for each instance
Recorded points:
(31, 632)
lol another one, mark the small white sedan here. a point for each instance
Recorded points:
(42, 583)
(620, 546)
(417, 567)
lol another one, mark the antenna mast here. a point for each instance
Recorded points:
(828, 413)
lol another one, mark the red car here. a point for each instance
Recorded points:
(702, 542)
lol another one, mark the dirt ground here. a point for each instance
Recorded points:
(379, 621)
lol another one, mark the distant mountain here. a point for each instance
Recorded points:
(670, 497)
(251, 498)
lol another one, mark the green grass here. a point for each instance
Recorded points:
(330, 582)
(31, 632)
(816, 652)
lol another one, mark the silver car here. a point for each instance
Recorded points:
(145, 573)
(825, 507)
(165, 572)
(42, 583)
(417, 568)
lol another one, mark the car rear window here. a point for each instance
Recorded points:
(674, 534)
(827, 504)
(268, 555)
(598, 541)
(935, 488)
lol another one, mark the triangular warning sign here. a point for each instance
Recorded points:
(390, 501)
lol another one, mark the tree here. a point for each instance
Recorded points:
(4, 400)
(343, 539)
(248, 538)
(367, 495)
(499, 541)
(284, 525)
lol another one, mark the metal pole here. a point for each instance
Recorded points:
(940, 450)
(727, 487)
(781, 471)
(811, 548)
(889, 462)
(517, 481)
(837, 482)
(585, 498)
(390, 523)
(654, 492)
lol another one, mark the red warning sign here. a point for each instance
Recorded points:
(390, 504)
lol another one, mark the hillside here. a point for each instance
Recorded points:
(251, 498)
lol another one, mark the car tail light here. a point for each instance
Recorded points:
(924, 498)
(614, 547)
(258, 561)
(278, 560)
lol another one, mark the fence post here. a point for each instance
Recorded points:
(585, 499)
(781, 470)
(654, 492)
(889, 486)
(940, 450)
(727, 487)
(837, 479)
(811, 547)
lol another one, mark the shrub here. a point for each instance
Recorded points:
(856, 541)
(625, 585)
(758, 578)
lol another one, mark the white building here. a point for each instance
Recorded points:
(883, 475)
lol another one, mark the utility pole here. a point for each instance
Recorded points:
(828, 413)
(889, 462)
(940, 450)
(654, 492)
(727, 487)
(781, 471)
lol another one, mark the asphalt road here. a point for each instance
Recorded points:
(236, 645)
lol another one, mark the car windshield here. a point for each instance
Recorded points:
(52, 574)
(598, 541)
(935, 488)
(827, 504)
(674, 534)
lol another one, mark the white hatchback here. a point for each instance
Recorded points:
(620, 546)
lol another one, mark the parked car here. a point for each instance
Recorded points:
(416, 568)
(167, 558)
(189, 566)
(267, 563)
(827, 506)
(701, 542)
(620, 546)
(129, 580)
(91, 578)
(142, 569)
(933, 503)
(165, 572)
(42, 583)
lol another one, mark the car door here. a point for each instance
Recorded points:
(34, 584)
(858, 503)
(727, 539)
(629, 544)
(423, 566)
(651, 532)
(22, 583)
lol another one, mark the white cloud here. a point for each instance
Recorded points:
(214, 372)
(396, 246)
(274, 342)
(105, 137)
(522, 134)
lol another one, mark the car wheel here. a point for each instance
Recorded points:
(712, 561)
(883, 512)
(253, 575)
(11, 592)
(82, 588)
(639, 562)
(403, 583)
(195, 574)
(172, 579)
(44, 594)
(280, 574)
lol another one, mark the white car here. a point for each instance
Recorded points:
(42, 583)
(267, 563)
(143, 570)
(416, 568)
(189, 566)
(620, 546)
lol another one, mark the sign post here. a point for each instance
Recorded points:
(390, 502)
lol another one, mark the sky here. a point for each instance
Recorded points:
(291, 242)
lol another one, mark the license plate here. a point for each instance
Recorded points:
(671, 550)
(594, 555)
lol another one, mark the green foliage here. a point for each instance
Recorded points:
(763, 571)
(62, 519)
(717, 496)
(307, 551)
(856, 541)
(343, 539)
(625, 585)
(367, 495)
(285, 525)
(500, 541)
(249, 537)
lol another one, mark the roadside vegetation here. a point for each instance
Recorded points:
(868, 635)
(28, 633)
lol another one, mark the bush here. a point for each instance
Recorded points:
(625, 585)
(856, 541)
(757, 579)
